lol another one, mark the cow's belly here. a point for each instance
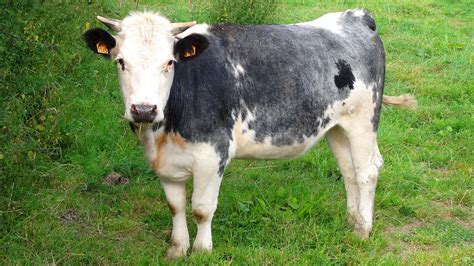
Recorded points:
(266, 150)
(247, 147)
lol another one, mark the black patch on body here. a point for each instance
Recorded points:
(345, 78)
(288, 81)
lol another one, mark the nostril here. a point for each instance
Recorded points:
(143, 108)
(143, 112)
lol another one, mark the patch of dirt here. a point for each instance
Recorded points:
(446, 213)
(405, 229)
(70, 216)
(401, 247)
(441, 170)
(115, 179)
(469, 224)
(395, 234)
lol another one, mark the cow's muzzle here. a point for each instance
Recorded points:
(143, 113)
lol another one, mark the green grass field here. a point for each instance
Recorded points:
(62, 131)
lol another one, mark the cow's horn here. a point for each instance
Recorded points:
(179, 27)
(113, 24)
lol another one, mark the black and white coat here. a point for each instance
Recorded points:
(209, 94)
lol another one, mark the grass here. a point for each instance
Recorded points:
(62, 132)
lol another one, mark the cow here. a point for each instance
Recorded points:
(199, 95)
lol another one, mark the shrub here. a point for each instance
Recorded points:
(240, 12)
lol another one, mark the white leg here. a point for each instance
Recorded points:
(341, 149)
(207, 181)
(364, 158)
(176, 196)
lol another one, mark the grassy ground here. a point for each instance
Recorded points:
(62, 132)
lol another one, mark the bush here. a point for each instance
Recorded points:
(241, 12)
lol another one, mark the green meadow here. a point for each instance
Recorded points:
(62, 133)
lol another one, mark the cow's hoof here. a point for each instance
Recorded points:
(361, 232)
(351, 220)
(175, 252)
(200, 247)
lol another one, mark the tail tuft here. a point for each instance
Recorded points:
(405, 101)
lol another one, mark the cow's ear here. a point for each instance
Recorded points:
(190, 46)
(99, 41)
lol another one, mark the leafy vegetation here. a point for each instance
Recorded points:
(239, 12)
(62, 133)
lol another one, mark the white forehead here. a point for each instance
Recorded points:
(145, 37)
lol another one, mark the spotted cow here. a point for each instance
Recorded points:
(198, 96)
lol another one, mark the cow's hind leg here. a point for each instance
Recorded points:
(367, 162)
(176, 197)
(340, 147)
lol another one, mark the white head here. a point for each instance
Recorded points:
(145, 50)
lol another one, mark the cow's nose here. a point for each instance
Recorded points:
(143, 113)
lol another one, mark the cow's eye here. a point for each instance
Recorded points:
(121, 63)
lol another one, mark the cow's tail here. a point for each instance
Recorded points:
(405, 101)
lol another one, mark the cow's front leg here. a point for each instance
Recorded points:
(176, 196)
(207, 180)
